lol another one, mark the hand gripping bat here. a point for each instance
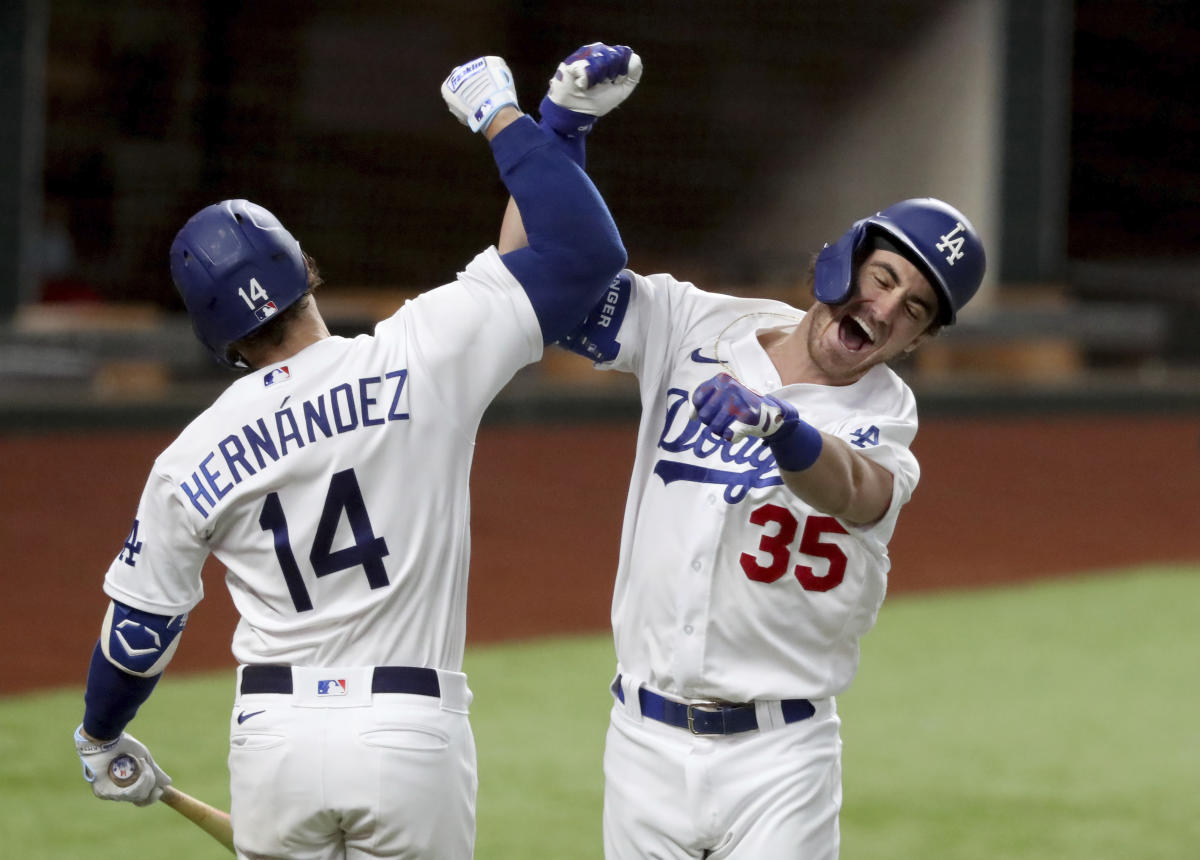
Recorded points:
(123, 770)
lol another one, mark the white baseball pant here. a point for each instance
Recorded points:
(772, 792)
(333, 771)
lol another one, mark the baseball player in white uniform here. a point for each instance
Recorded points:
(332, 482)
(772, 463)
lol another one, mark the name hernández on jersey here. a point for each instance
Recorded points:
(684, 433)
(367, 402)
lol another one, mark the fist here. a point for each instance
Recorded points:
(475, 91)
(121, 769)
(732, 411)
(595, 79)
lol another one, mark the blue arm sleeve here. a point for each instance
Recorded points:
(112, 697)
(574, 248)
(566, 129)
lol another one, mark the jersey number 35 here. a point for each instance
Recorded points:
(777, 549)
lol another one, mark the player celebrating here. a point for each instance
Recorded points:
(332, 482)
(754, 549)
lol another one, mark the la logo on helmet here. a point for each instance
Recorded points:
(952, 244)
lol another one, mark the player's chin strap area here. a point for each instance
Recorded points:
(713, 718)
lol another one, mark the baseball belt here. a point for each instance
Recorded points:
(710, 718)
(385, 679)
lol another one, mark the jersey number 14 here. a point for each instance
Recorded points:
(367, 551)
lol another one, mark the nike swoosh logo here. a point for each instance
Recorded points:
(703, 359)
(243, 716)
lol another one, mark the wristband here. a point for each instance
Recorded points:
(797, 444)
(564, 121)
(567, 129)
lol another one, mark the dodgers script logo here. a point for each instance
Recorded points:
(751, 459)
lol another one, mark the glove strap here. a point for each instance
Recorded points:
(87, 747)
(797, 444)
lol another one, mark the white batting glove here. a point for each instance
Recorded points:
(96, 757)
(595, 79)
(475, 91)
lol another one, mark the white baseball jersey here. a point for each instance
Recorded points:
(729, 586)
(334, 486)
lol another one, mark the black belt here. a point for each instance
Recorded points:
(710, 718)
(385, 679)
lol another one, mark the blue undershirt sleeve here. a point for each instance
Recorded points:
(566, 129)
(112, 697)
(575, 250)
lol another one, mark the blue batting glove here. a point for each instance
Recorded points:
(733, 412)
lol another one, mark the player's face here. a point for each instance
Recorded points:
(888, 314)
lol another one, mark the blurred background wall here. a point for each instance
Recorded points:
(1065, 130)
(1059, 414)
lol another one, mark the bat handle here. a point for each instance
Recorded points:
(124, 770)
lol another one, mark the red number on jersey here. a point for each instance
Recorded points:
(777, 546)
(810, 544)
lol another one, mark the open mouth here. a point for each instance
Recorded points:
(853, 334)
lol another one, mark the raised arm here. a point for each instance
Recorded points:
(586, 85)
(574, 250)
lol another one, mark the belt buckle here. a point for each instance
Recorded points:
(705, 707)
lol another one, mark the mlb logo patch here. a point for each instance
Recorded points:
(331, 687)
(267, 310)
(279, 374)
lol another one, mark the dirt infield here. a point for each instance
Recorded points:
(999, 500)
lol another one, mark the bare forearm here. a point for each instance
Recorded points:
(512, 230)
(504, 117)
(843, 483)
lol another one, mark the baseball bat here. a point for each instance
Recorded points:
(123, 771)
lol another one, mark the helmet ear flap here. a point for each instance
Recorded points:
(832, 277)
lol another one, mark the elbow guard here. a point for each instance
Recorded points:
(139, 643)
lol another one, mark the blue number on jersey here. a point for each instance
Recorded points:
(869, 436)
(367, 551)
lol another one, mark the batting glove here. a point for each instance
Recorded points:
(475, 91)
(733, 412)
(96, 757)
(587, 85)
(595, 79)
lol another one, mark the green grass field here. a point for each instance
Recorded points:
(1056, 720)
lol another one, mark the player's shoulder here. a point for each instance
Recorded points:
(883, 390)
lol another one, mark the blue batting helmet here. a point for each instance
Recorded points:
(935, 236)
(235, 266)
